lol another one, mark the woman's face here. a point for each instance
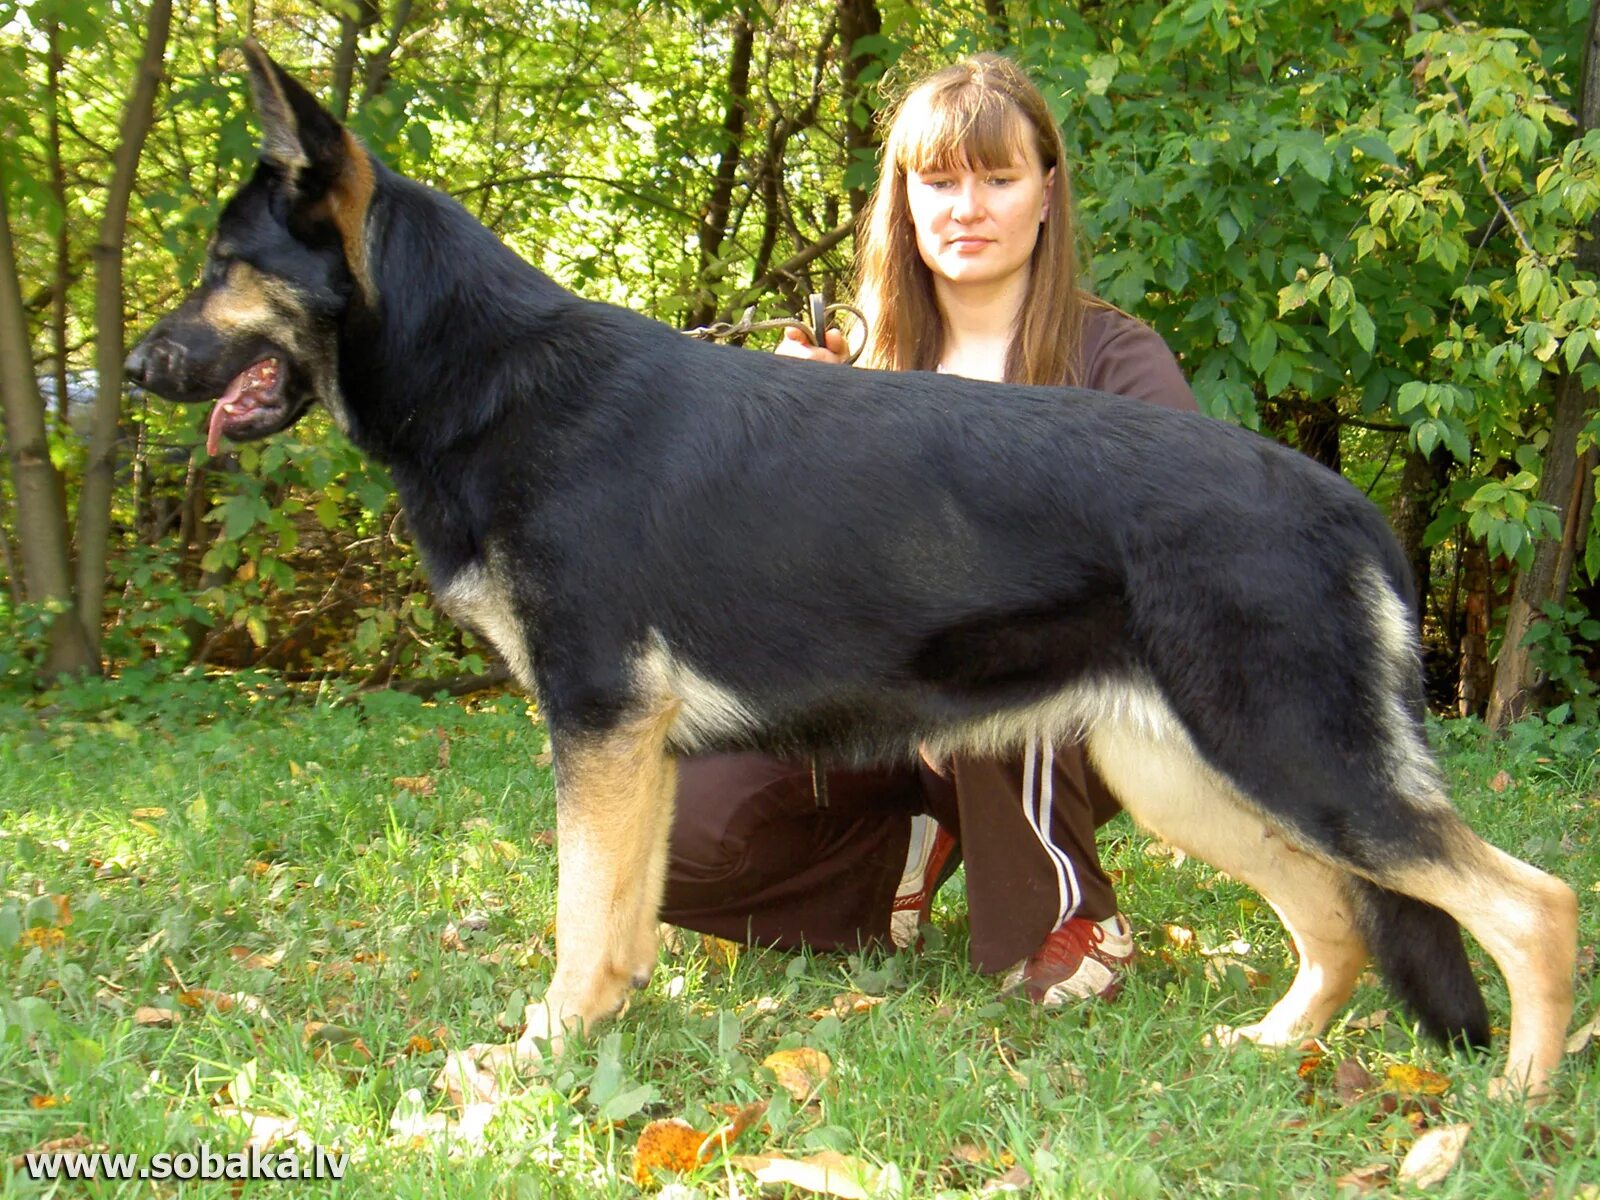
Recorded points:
(975, 226)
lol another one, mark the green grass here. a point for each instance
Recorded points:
(283, 833)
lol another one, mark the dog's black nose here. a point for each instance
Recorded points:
(137, 362)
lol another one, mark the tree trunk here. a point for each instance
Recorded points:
(353, 23)
(719, 206)
(1567, 482)
(41, 494)
(1422, 483)
(857, 19)
(58, 192)
(94, 499)
(999, 23)
(1478, 603)
(1317, 430)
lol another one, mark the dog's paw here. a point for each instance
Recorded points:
(1260, 1034)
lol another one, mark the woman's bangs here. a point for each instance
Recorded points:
(971, 128)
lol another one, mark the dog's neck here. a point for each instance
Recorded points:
(412, 358)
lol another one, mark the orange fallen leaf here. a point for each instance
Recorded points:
(1414, 1081)
(737, 1121)
(1433, 1155)
(253, 960)
(668, 1145)
(846, 1003)
(721, 951)
(799, 1072)
(222, 1002)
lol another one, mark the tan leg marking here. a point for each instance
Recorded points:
(1166, 788)
(614, 795)
(1528, 922)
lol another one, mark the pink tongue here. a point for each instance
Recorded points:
(219, 413)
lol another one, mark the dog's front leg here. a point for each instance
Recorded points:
(614, 795)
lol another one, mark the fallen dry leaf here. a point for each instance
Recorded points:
(1433, 1155)
(736, 1121)
(223, 1002)
(846, 1003)
(799, 1072)
(670, 1145)
(155, 1018)
(1376, 1020)
(1351, 1081)
(1584, 1034)
(473, 1075)
(1016, 1179)
(42, 937)
(1365, 1179)
(1220, 967)
(264, 1130)
(721, 951)
(828, 1173)
(76, 1146)
(1414, 1081)
(252, 960)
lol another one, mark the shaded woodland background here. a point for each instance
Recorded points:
(1366, 229)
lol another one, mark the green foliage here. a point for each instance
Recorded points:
(1381, 221)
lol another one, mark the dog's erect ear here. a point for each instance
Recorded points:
(297, 133)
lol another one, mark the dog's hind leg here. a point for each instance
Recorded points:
(614, 795)
(1167, 789)
(1526, 920)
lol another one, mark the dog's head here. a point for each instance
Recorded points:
(258, 338)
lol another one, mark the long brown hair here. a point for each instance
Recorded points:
(978, 113)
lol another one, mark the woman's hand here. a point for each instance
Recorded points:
(796, 344)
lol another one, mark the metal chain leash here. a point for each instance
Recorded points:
(822, 315)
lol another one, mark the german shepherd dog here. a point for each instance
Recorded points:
(680, 547)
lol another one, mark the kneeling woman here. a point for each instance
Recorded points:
(966, 265)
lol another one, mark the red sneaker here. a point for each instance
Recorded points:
(1079, 960)
(933, 858)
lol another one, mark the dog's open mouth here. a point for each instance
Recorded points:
(254, 393)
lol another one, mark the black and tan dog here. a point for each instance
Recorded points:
(682, 547)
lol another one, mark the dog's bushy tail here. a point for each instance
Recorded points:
(1418, 949)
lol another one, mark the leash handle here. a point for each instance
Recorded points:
(819, 321)
(816, 329)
